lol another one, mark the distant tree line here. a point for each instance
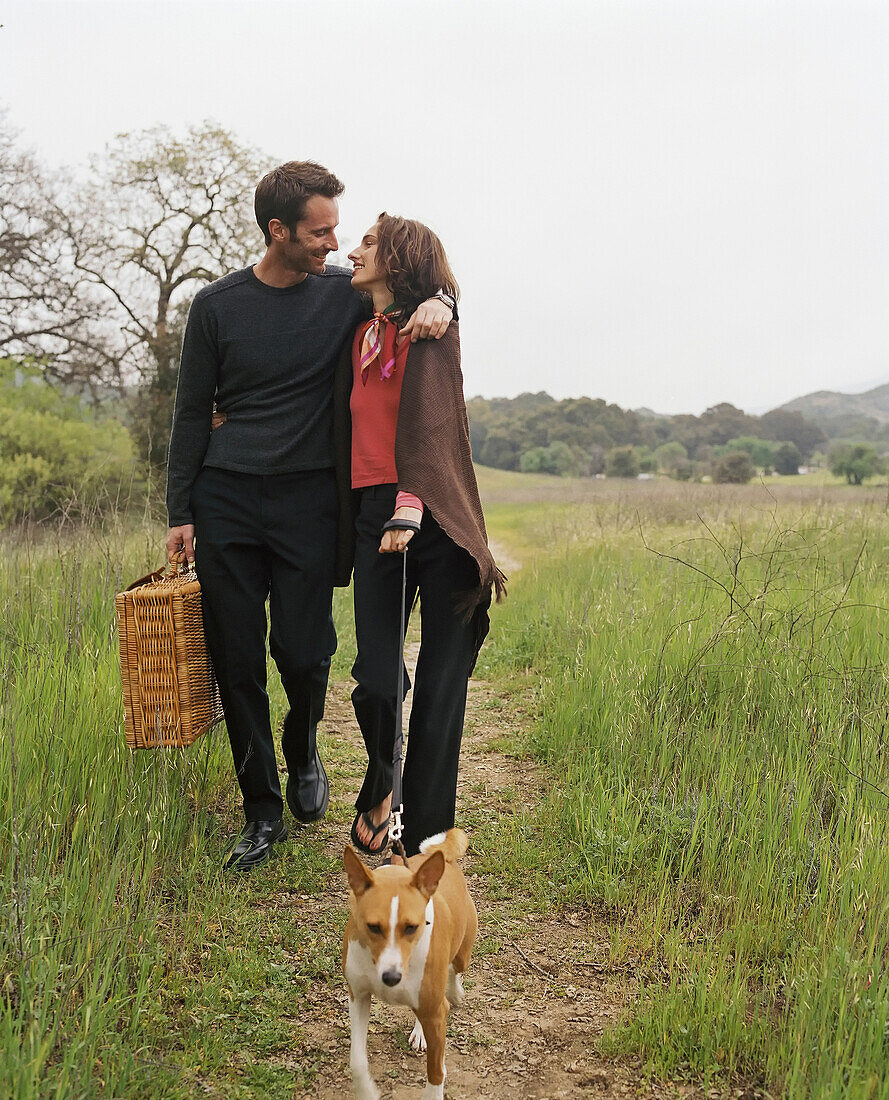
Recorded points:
(584, 437)
(855, 426)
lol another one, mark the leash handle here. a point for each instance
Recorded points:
(395, 826)
(402, 525)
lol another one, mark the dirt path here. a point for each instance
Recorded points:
(539, 991)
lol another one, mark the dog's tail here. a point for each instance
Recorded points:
(452, 844)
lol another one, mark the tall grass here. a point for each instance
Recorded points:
(129, 966)
(87, 825)
(713, 704)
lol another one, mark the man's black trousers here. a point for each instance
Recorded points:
(256, 538)
(440, 570)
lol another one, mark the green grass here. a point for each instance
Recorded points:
(700, 669)
(129, 966)
(713, 708)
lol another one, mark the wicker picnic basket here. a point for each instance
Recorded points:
(169, 689)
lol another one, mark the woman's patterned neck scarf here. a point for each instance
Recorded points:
(379, 342)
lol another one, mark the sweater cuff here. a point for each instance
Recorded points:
(408, 500)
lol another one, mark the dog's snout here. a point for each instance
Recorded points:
(392, 977)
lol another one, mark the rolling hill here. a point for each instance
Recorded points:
(829, 405)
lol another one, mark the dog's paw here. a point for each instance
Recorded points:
(417, 1039)
(433, 1092)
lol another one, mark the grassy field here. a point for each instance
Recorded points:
(127, 959)
(713, 707)
(708, 665)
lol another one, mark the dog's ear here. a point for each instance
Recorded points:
(428, 875)
(360, 879)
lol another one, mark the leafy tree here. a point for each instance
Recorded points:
(158, 217)
(735, 468)
(56, 453)
(595, 460)
(622, 462)
(669, 456)
(478, 411)
(500, 449)
(787, 459)
(557, 458)
(647, 461)
(783, 425)
(96, 278)
(855, 462)
(723, 422)
(532, 461)
(560, 459)
(761, 452)
(687, 430)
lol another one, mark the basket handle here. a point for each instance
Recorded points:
(174, 569)
(178, 565)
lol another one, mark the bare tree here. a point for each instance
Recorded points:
(96, 275)
(157, 218)
(47, 309)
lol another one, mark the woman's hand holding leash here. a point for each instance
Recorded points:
(399, 530)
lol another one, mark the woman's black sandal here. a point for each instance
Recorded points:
(374, 830)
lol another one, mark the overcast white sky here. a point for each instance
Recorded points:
(659, 202)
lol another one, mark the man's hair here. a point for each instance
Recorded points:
(414, 262)
(283, 193)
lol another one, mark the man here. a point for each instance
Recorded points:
(254, 502)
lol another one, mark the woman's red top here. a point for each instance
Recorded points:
(374, 407)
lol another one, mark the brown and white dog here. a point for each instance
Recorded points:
(408, 941)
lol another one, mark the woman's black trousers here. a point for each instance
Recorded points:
(439, 571)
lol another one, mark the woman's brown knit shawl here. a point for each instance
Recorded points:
(432, 456)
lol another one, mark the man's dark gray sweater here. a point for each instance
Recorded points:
(265, 356)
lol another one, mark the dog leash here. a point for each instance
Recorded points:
(395, 823)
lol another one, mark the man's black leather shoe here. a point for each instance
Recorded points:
(255, 844)
(308, 791)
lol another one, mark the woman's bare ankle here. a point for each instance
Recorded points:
(377, 814)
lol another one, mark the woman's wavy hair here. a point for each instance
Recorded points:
(414, 262)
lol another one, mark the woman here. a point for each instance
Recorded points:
(403, 434)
